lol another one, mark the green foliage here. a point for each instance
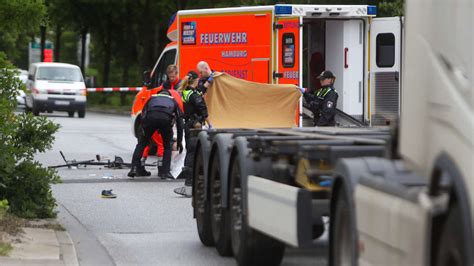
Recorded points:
(3, 208)
(5, 249)
(23, 182)
(390, 8)
(26, 184)
(19, 20)
(4, 204)
(29, 192)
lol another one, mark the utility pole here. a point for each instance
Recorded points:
(42, 41)
(83, 50)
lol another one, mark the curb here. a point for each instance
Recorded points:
(110, 112)
(67, 250)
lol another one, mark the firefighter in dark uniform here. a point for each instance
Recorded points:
(160, 113)
(195, 115)
(207, 76)
(323, 102)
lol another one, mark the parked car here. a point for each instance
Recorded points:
(20, 98)
(56, 87)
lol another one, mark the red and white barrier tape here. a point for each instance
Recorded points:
(114, 89)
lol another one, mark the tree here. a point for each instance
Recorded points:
(391, 8)
(23, 182)
(19, 19)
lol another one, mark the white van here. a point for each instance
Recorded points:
(56, 87)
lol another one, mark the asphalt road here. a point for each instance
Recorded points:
(147, 224)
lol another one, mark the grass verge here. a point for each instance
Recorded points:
(5, 248)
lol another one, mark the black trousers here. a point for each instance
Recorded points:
(163, 123)
(187, 172)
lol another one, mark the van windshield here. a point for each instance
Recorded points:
(59, 74)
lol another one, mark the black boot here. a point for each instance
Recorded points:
(141, 171)
(133, 172)
(186, 172)
(167, 176)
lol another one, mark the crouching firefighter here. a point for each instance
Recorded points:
(195, 115)
(160, 113)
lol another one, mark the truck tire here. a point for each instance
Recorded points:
(70, 113)
(249, 246)
(220, 217)
(342, 243)
(451, 250)
(318, 229)
(201, 205)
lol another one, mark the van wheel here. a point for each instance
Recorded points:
(81, 113)
(201, 205)
(249, 246)
(342, 232)
(220, 217)
(451, 250)
(70, 113)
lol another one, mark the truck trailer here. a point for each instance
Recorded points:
(399, 195)
(417, 208)
(256, 191)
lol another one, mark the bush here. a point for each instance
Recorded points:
(3, 208)
(29, 192)
(23, 181)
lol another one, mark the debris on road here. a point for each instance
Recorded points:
(117, 163)
(108, 176)
(107, 194)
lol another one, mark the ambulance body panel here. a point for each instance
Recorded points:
(238, 43)
(281, 44)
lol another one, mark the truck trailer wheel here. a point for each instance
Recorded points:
(220, 217)
(451, 250)
(342, 232)
(249, 246)
(201, 205)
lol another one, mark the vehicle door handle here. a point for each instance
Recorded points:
(346, 50)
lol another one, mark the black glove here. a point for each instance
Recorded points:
(180, 148)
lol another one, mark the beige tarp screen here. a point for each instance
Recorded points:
(237, 103)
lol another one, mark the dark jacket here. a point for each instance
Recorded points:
(194, 105)
(201, 83)
(165, 104)
(323, 104)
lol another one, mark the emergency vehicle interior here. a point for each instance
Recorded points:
(330, 44)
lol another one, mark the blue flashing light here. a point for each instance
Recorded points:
(372, 10)
(283, 10)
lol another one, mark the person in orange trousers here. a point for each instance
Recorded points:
(171, 84)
